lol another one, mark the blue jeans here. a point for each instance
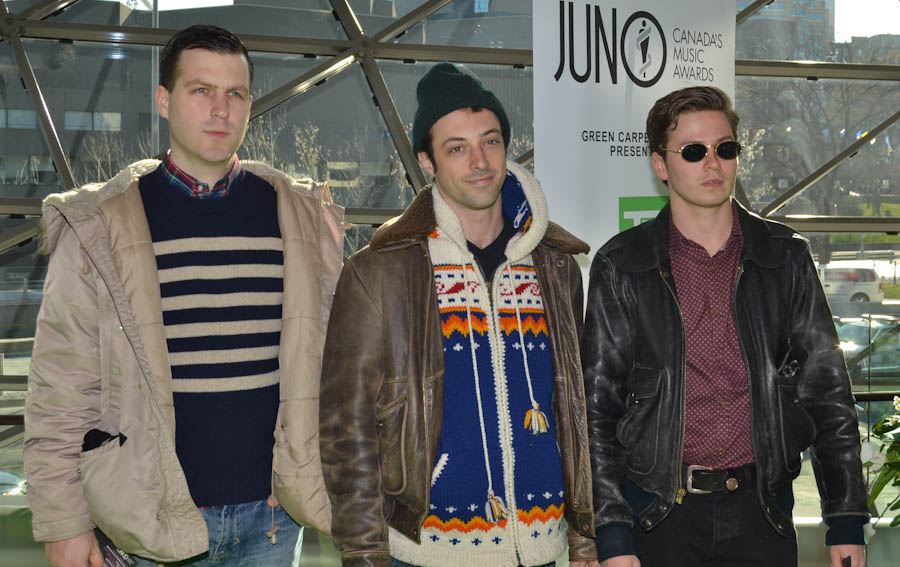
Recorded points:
(398, 563)
(237, 538)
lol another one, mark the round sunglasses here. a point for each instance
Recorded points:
(696, 152)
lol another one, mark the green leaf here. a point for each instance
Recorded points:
(883, 427)
(884, 477)
(895, 522)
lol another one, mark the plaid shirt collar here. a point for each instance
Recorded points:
(194, 188)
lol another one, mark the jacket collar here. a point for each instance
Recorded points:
(649, 242)
(418, 221)
(85, 200)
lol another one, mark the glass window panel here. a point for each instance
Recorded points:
(476, 23)
(792, 127)
(272, 70)
(334, 132)
(512, 86)
(26, 169)
(821, 31)
(77, 120)
(112, 87)
(305, 18)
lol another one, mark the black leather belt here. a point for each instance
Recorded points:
(703, 480)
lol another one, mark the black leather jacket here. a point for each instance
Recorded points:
(634, 355)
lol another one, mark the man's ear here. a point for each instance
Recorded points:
(659, 166)
(426, 163)
(161, 96)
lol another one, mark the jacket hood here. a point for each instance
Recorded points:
(523, 203)
(85, 200)
(646, 246)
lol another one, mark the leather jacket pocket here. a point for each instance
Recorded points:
(796, 428)
(392, 443)
(638, 430)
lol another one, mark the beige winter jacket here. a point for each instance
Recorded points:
(100, 361)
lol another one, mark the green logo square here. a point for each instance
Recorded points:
(635, 210)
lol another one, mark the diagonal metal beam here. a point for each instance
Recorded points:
(15, 236)
(18, 206)
(751, 9)
(741, 195)
(302, 83)
(527, 158)
(45, 9)
(348, 20)
(818, 174)
(394, 123)
(402, 25)
(12, 435)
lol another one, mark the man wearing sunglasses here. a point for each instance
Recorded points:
(710, 364)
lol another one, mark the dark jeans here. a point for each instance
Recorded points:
(721, 529)
(398, 563)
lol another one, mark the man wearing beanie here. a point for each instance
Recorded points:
(452, 418)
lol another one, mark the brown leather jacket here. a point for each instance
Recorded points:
(382, 387)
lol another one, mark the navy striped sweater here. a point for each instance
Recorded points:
(220, 266)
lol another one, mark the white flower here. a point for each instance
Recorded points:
(869, 530)
(872, 458)
(897, 403)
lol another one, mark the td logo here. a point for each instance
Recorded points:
(635, 210)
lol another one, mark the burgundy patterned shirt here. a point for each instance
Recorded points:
(717, 413)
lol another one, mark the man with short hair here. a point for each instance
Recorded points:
(452, 409)
(711, 362)
(167, 351)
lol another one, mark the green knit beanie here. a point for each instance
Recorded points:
(445, 88)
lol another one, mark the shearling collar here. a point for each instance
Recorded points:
(418, 221)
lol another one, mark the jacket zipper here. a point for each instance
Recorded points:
(680, 491)
(427, 431)
(737, 327)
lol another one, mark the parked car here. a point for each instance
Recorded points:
(11, 484)
(852, 284)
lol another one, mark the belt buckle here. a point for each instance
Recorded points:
(690, 479)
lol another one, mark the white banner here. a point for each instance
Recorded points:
(598, 68)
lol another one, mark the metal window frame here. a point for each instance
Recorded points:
(34, 23)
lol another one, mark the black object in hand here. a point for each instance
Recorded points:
(96, 437)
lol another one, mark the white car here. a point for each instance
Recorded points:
(852, 284)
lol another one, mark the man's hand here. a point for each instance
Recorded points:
(840, 553)
(271, 501)
(79, 551)
(622, 561)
